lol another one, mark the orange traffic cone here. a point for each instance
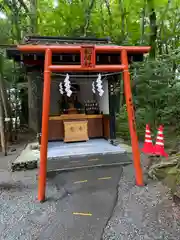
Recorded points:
(148, 147)
(159, 146)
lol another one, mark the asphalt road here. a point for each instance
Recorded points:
(87, 204)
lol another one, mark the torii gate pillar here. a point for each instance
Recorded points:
(131, 119)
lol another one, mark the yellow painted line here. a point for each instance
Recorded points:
(74, 161)
(92, 160)
(82, 181)
(82, 214)
(104, 178)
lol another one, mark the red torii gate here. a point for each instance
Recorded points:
(88, 63)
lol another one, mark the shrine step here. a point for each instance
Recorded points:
(92, 160)
(63, 156)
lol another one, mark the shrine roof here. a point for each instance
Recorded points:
(65, 40)
(44, 41)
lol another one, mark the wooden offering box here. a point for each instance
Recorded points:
(58, 125)
(75, 131)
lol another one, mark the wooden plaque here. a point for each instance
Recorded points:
(75, 131)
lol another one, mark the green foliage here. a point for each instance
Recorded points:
(157, 93)
(122, 127)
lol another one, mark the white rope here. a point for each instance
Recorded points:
(61, 88)
(93, 87)
(67, 85)
(99, 85)
(87, 75)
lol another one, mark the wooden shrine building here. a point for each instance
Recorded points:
(99, 111)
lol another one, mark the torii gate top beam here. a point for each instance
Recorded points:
(77, 48)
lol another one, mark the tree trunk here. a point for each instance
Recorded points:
(2, 135)
(88, 17)
(121, 98)
(7, 110)
(143, 22)
(107, 2)
(153, 28)
(123, 31)
(34, 17)
(4, 96)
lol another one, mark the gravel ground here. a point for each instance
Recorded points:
(21, 215)
(146, 213)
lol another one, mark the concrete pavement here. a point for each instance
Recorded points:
(78, 205)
